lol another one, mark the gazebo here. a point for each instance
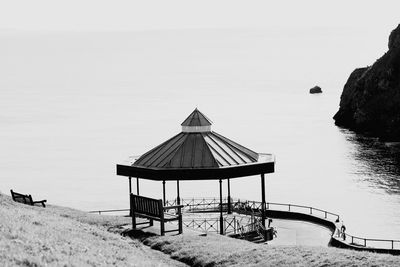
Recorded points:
(198, 153)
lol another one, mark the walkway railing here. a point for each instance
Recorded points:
(255, 207)
(109, 211)
(303, 209)
(238, 225)
(370, 242)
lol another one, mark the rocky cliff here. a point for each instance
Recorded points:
(370, 101)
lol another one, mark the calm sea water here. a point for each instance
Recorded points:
(72, 105)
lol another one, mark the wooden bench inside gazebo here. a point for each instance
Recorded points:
(153, 209)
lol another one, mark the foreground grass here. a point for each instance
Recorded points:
(215, 250)
(55, 236)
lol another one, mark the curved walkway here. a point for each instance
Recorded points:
(307, 214)
(283, 212)
(302, 233)
(324, 218)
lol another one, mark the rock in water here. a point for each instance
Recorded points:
(370, 101)
(316, 90)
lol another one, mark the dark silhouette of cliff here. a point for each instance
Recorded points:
(370, 101)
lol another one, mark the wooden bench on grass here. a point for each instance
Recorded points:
(153, 209)
(26, 199)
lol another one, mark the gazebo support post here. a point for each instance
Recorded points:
(130, 192)
(163, 191)
(221, 219)
(132, 212)
(137, 186)
(229, 197)
(263, 199)
(178, 198)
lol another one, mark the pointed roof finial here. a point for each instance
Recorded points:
(196, 118)
(196, 122)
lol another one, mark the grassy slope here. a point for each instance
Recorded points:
(55, 236)
(214, 250)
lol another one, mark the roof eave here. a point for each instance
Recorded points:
(227, 172)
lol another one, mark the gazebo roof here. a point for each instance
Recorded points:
(198, 153)
(197, 150)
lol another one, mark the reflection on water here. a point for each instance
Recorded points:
(378, 163)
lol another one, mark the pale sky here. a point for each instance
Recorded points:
(121, 15)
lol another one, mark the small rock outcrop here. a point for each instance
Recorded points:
(370, 101)
(316, 90)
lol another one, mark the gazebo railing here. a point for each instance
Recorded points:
(231, 225)
(199, 204)
(213, 204)
(247, 207)
(261, 230)
(242, 206)
(242, 230)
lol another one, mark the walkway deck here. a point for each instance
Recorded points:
(290, 232)
(295, 224)
(301, 233)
